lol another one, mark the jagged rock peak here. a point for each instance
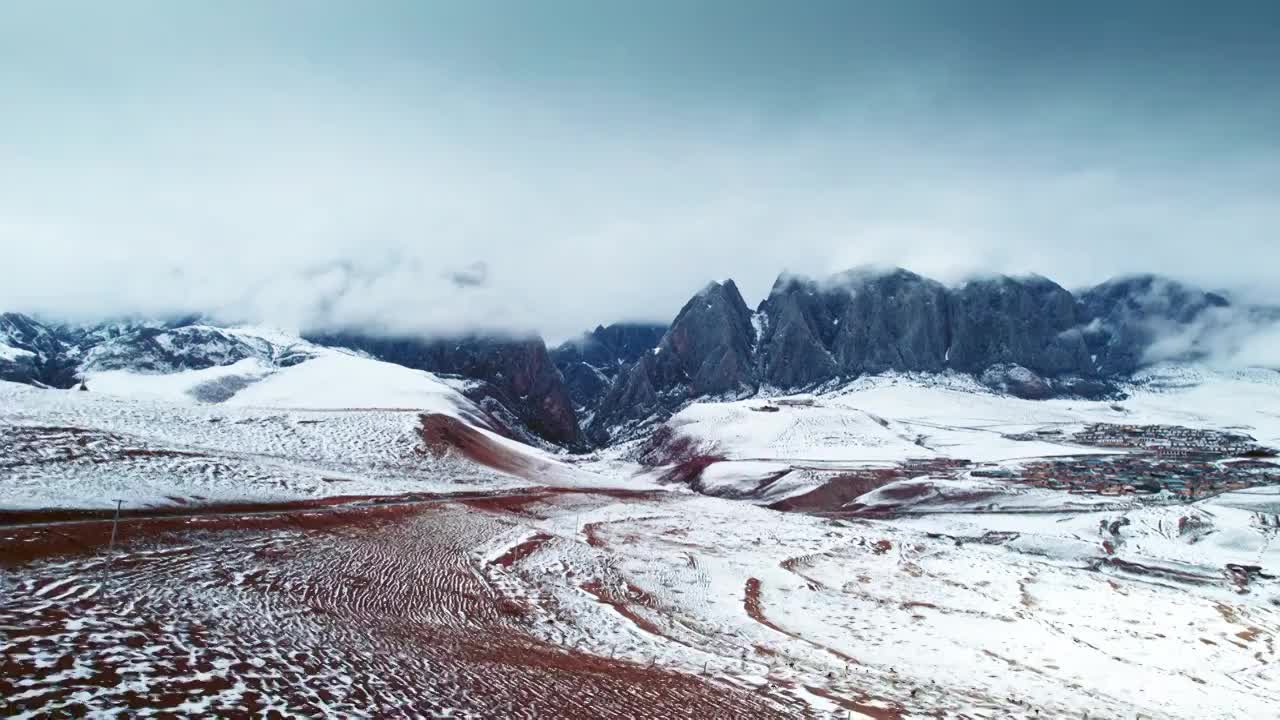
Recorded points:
(867, 319)
(706, 351)
(711, 340)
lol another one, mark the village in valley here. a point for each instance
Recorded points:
(1183, 463)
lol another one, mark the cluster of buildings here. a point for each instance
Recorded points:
(1146, 474)
(1170, 440)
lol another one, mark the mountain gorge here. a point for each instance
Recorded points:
(1025, 336)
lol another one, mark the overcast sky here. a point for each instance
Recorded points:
(551, 165)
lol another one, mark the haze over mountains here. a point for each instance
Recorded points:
(1025, 336)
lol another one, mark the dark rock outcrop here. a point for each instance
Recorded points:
(58, 355)
(1026, 336)
(707, 351)
(516, 374)
(798, 329)
(585, 384)
(33, 353)
(590, 363)
(1017, 381)
(861, 321)
(709, 344)
(893, 320)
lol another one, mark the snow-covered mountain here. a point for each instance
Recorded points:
(64, 355)
(513, 380)
(1023, 336)
(890, 543)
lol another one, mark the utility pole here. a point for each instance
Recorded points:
(115, 522)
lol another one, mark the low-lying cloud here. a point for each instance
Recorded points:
(1227, 337)
(416, 188)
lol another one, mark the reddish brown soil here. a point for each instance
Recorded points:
(666, 447)
(908, 491)
(30, 517)
(609, 596)
(1158, 572)
(839, 491)
(57, 533)
(592, 531)
(189, 507)
(523, 550)
(27, 535)
(442, 434)
(1249, 634)
(32, 445)
(751, 602)
(373, 610)
(689, 470)
(768, 481)
(755, 611)
(509, 504)
(522, 502)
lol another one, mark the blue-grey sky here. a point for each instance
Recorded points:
(551, 165)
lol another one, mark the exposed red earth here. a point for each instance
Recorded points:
(442, 434)
(362, 611)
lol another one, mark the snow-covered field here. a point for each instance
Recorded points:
(694, 607)
(896, 417)
(337, 424)
(587, 588)
(884, 420)
(926, 615)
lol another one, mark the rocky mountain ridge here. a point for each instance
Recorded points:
(1025, 336)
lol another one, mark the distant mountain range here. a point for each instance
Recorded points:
(1026, 336)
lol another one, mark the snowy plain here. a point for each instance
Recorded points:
(1047, 608)
(338, 424)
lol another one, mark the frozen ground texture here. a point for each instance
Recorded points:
(587, 590)
(601, 604)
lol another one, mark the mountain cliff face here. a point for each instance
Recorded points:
(514, 375)
(854, 323)
(514, 380)
(609, 347)
(1026, 336)
(1030, 321)
(590, 363)
(706, 351)
(174, 349)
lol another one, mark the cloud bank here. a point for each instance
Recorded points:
(431, 169)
